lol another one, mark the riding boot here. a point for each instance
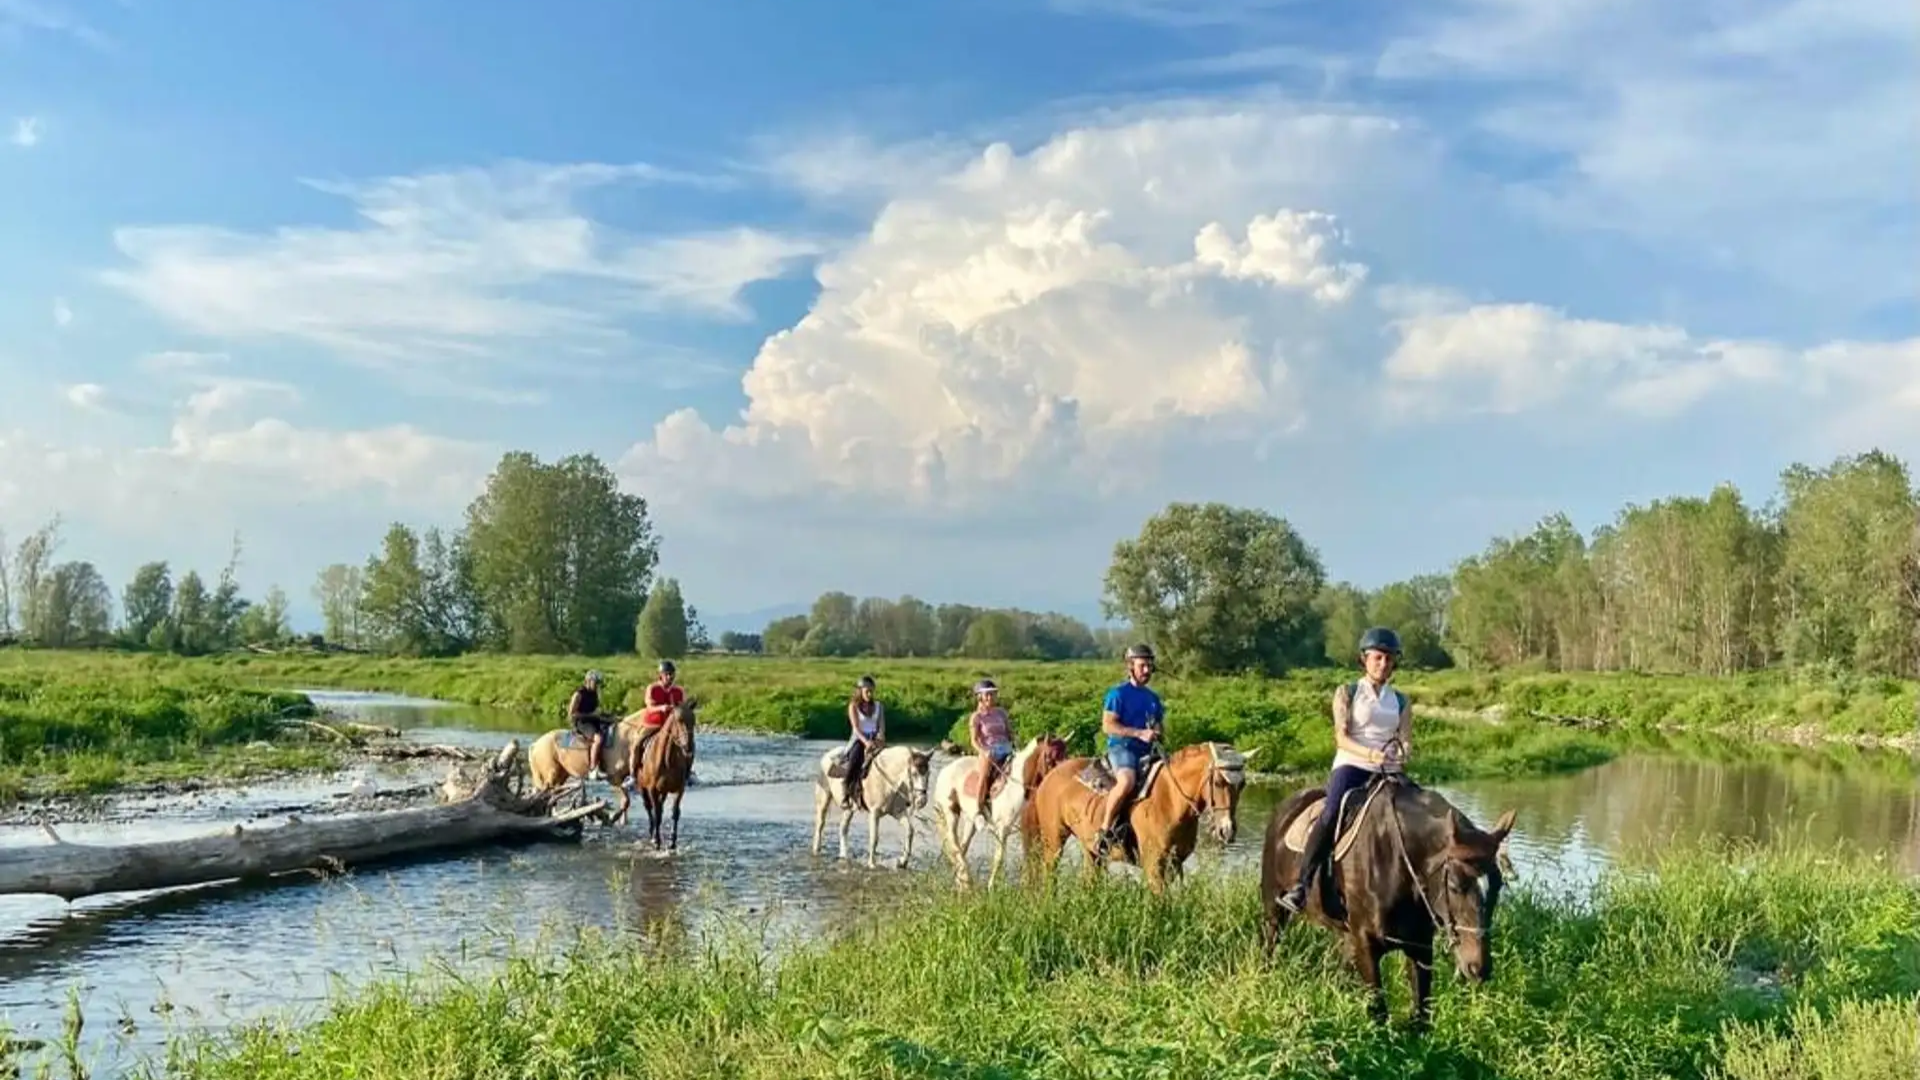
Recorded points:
(1312, 865)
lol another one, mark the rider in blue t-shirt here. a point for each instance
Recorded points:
(1133, 719)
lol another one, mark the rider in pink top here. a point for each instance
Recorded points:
(991, 730)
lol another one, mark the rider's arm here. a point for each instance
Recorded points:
(573, 704)
(1406, 724)
(1342, 717)
(1110, 720)
(879, 722)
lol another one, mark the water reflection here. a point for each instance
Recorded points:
(213, 956)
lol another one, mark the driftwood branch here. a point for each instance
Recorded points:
(491, 813)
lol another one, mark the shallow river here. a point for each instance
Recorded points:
(143, 965)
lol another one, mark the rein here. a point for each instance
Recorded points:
(1450, 930)
(1207, 781)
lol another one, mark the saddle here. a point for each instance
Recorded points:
(1098, 777)
(997, 774)
(1346, 828)
(572, 740)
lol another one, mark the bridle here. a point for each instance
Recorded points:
(1450, 931)
(1215, 777)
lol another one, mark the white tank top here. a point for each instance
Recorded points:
(869, 722)
(1373, 721)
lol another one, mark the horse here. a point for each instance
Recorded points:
(662, 769)
(1162, 821)
(959, 805)
(895, 786)
(560, 756)
(1406, 864)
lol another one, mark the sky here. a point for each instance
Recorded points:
(942, 298)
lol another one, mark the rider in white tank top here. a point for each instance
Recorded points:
(1373, 721)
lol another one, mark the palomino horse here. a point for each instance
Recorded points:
(1163, 817)
(958, 804)
(895, 786)
(662, 769)
(1405, 864)
(560, 756)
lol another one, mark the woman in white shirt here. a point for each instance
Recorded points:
(1372, 729)
(868, 719)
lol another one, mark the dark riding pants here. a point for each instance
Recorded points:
(1344, 779)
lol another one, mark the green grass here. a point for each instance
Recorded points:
(88, 723)
(1706, 962)
(94, 719)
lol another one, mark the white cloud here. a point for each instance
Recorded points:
(448, 269)
(1773, 136)
(88, 397)
(62, 314)
(18, 17)
(1033, 331)
(26, 132)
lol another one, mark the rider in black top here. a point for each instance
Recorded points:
(584, 713)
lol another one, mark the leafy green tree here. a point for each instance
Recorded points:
(559, 557)
(338, 590)
(74, 608)
(188, 632)
(783, 637)
(1343, 614)
(661, 631)
(1416, 609)
(265, 623)
(147, 599)
(1220, 588)
(734, 641)
(995, 635)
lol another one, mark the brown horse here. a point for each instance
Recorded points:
(1164, 817)
(1406, 865)
(560, 756)
(662, 769)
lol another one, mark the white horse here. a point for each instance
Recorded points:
(895, 786)
(960, 807)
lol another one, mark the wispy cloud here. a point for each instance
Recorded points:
(26, 132)
(451, 270)
(62, 314)
(20, 17)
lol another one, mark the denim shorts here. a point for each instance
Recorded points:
(1000, 751)
(1123, 757)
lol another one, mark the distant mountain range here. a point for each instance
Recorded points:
(752, 622)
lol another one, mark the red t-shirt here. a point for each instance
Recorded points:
(659, 700)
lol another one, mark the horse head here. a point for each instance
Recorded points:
(1225, 779)
(919, 770)
(1470, 883)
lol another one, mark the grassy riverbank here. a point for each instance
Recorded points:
(1755, 965)
(85, 723)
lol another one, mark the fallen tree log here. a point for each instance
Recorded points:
(491, 814)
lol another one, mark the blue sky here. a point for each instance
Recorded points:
(942, 298)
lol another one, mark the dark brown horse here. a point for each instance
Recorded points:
(1412, 867)
(661, 769)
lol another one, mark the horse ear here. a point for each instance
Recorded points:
(1248, 756)
(1501, 828)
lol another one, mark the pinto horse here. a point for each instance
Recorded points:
(1406, 865)
(1163, 818)
(895, 786)
(959, 805)
(662, 768)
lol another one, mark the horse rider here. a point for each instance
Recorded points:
(1372, 729)
(1134, 720)
(868, 720)
(991, 733)
(583, 712)
(663, 696)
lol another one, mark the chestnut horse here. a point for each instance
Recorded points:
(959, 805)
(662, 769)
(1164, 818)
(1410, 866)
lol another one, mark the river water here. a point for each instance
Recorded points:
(143, 966)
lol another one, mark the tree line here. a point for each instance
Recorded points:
(555, 558)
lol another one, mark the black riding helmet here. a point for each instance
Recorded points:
(1379, 637)
(1141, 651)
(865, 681)
(666, 667)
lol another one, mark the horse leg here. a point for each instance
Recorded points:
(906, 855)
(1420, 982)
(1366, 960)
(999, 856)
(821, 800)
(846, 823)
(674, 843)
(873, 838)
(963, 830)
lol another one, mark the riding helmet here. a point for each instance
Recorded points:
(666, 667)
(1379, 637)
(592, 679)
(983, 686)
(865, 681)
(1142, 651)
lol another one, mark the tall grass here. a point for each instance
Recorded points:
(1709, 965)
(93, 722)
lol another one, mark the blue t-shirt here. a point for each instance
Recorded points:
(1137, 707)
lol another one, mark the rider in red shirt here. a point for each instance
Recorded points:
(662, 696)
